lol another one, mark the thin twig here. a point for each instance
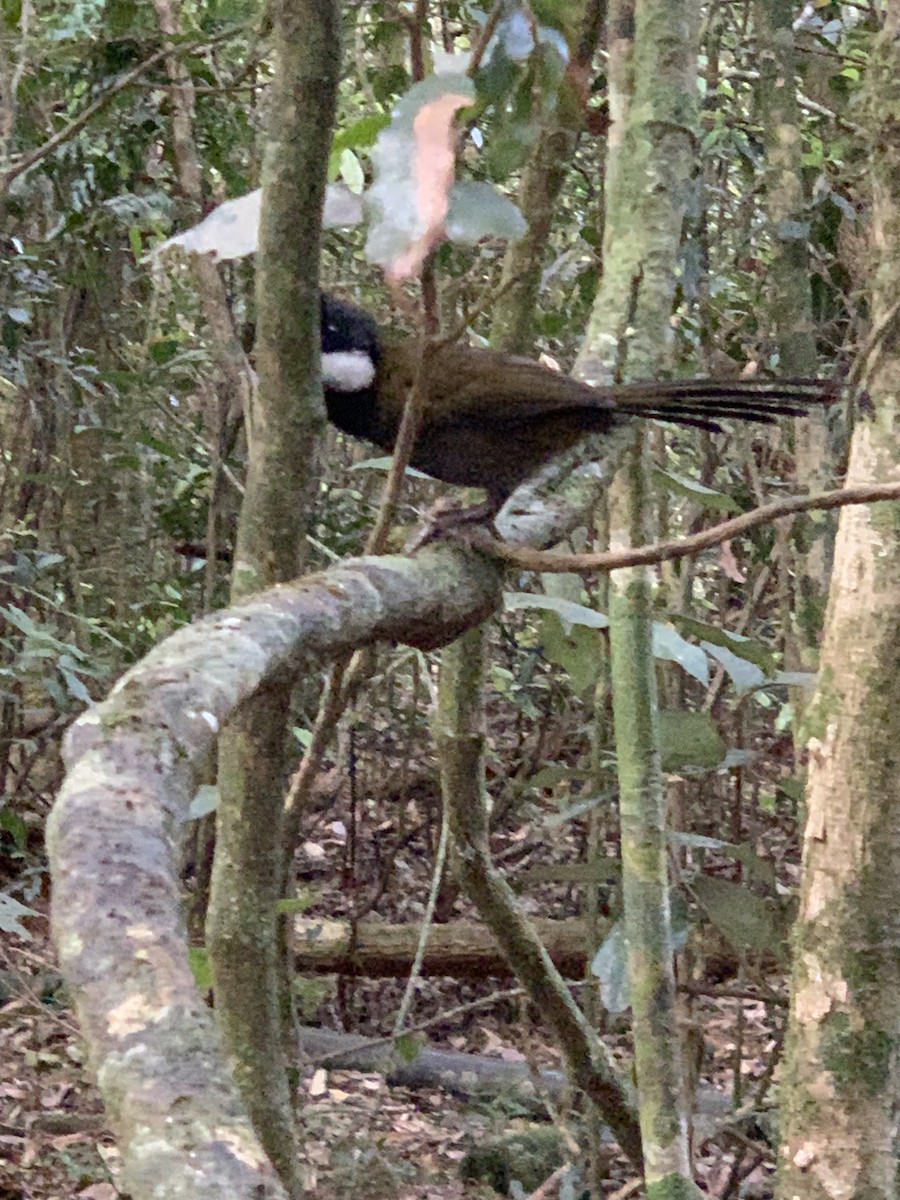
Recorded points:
(403, 448)
(761, 995)
(659, 552)
(866, 358)
(487, 33)
(542, 1192)
(427, 921)
(488, 300)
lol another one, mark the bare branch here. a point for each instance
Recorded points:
(658, 552)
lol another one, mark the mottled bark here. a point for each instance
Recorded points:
(461, 949)
(790, 306)
(650, 179)
(133, 766)
(841, 1085)
(284, 419)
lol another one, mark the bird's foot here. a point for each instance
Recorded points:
(448, 517)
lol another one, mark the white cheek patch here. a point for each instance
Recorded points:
(347, 370)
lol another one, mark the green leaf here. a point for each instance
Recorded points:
(579, 808)
(743, 674)
(760, 868)
(11, 913)
(555, 773)
(407, 1046)
(165, 449)
(739, 758)
(574, 648)
(201, 967)
(683, 485)
(795, 678)
(793, 788)
(511, 143)
(606, 870)
(689, 739)
(15, 826)
(75, 687)
(21, 620)
(496, 79)
(360, 134)
(567, 610)
(792, 231)
(351, 172)
(164, 350)
(478, 212)
(43, 560)
(610, 966)
(668, 644)
(746, 920)
(754, 652)
(384, 464)
(565, 584)
(292, 905)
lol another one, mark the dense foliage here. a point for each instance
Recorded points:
(121, 465)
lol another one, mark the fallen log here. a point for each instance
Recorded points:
(461, 949)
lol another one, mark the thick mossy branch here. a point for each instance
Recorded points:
(133, 762)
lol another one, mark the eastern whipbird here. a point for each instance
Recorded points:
(491, 420)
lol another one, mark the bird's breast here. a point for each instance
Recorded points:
(358, 414)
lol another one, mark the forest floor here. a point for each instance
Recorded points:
(361, 1137)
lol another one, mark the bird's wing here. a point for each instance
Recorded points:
(465, 382)
(495, 389)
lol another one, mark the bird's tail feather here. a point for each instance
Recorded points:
(704, 402)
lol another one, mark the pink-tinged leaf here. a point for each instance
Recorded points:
(414, 160)
(729, 563)
(433, 164)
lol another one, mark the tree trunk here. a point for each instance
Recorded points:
(841, 1088)
(284, 420)
(652, 160)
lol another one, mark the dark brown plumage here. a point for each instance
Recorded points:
(492, 420)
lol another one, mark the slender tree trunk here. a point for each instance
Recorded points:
(790, 305)
(841, 1084)
(512, 327)
(284, 420)
(460, 718)
(652, 162)
(459, 733)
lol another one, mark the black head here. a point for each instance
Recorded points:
(350, 346)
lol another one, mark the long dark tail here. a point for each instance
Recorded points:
(704, 402)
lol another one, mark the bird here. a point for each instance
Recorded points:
(492, 420)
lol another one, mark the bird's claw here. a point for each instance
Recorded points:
(447, 518)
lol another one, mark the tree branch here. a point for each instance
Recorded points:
(133, 764)
(658, 552)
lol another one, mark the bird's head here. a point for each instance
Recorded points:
(350, 346)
